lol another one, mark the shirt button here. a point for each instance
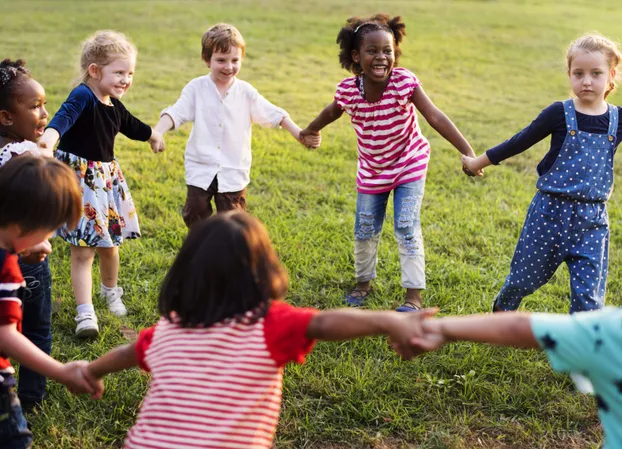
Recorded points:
(610, 138)
(218, 148)
(220, 125)
(572, 132)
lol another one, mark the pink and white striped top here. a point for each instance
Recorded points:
(391, 149)
(217, 387)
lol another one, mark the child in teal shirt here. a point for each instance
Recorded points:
(585, 344)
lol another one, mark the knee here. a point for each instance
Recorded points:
(366, 226)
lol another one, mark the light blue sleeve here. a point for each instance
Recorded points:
(576, 343)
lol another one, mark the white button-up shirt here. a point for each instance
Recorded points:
(220, 140)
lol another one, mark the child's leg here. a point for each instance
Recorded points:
(82, 282)
(588, 266)
(109, 270)
(538, 253)
(37, 306)
(14, 432)
(407, 200)
(370, 213)
(198, 203)
(230, 201)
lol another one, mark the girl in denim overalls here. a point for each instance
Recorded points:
(567, 219)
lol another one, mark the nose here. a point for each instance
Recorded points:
(44, 112)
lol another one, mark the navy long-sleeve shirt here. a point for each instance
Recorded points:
(551, 121)
(88, 127)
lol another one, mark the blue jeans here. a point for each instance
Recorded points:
(370, 214)
(36, 326)
(14, 433)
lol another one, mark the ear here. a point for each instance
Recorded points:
(613, 73)
(5, 118)
(355, 56)
(93, 70)
(207, 63)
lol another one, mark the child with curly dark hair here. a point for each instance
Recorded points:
(393, 155)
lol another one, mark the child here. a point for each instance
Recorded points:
(22, 120)
(223, 109)
(217, 354)
(37, 195)
(87, 124)
(567, 219)
(392, 153)
(588, 344)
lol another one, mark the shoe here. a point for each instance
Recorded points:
(408, 307)
(87, 325)
(115, 304)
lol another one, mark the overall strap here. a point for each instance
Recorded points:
(571, 117)
(613, 123)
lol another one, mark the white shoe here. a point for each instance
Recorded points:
(115, 304)
(87, 325)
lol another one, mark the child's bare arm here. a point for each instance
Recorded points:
(504, 329)
(328, 115)
(118, 359)
(347, 324)
(17, 347)
(48, 141)
(165, 124)
(475, 164)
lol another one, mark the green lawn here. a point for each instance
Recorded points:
(490, 65)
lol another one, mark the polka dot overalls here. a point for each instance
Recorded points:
(567, 221)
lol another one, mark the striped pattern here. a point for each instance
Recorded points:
(211, 388)
(391, 149)
(11, 290)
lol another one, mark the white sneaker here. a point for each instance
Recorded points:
(87, 325)
(115, 304)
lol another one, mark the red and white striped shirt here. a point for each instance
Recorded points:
(217, 387)
(392, 151)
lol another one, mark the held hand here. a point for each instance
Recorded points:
(73, 377)
(44, 150)
(96, 383)
(409, 326)
(157, 142)
(469, 166)
(310, 139)
(37, 253)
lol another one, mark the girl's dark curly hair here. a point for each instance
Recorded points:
(10, 74)
(351, 36)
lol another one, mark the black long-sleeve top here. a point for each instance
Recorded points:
(88, 127)
(551, 121)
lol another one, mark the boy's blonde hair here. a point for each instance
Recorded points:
(220, 38)
(595, 42)
(102, 48)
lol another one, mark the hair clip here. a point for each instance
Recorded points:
(360, 26)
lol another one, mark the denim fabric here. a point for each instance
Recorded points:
(14, 432)
(567, 221)
(37, 305)
(370, 215)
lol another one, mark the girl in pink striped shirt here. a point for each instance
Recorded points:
(217, 354)
(392, 153)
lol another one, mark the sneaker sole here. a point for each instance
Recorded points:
(87, 333)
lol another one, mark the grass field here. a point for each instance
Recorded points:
(490, 65)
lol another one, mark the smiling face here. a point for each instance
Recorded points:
(27, 116)
(113, 79)
(590, 76)
(376, 55)
(225, 66)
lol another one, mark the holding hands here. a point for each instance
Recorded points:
(310, 139)
(72, 375)
(474, 166)
(156, 141)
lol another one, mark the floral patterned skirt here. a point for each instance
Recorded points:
(109, 215)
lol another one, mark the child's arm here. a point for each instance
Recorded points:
(47, 142)
(310, 141)
(328, 115)
(164, 125)
(17, 347)
(476, 164)
(504, 329)
(118, 359)
(347, 324)
(441, 123)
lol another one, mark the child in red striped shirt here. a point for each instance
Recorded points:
(217, 354)
(392, 153)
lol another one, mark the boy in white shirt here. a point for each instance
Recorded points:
(223, 109)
